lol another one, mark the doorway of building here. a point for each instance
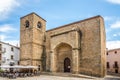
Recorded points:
(116, 70)
(67, 65)
(38, 67)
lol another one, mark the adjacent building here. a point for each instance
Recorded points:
(9, 54)
(113, 61)
(77, 48)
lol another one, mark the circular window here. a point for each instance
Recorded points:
(39, 25)
(27, 23)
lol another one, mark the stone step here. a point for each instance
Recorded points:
(67, 75)
(56, 74)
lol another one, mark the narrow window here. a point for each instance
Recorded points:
(116, 64)
(12, 57)
(116, 70)
(12, 49)
(18, 63)
(108, 66)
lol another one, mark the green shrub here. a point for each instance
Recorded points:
(1, 70)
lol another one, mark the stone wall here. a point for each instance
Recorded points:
(83, 42)
(89, 40)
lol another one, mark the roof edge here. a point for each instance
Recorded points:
(9, 44)
(113, 49)
(74, 22)
(35, 14)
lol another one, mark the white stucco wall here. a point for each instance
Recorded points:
(6, 54)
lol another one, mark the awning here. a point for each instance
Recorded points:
(18, 66)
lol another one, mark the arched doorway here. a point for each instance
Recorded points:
(63, 57)
(67, 65)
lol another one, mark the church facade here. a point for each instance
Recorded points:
(77, 47)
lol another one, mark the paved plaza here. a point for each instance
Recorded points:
(48, 77)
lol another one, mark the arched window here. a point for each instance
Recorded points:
(39, 24)
(27, 23)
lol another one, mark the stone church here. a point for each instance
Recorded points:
(77, 48)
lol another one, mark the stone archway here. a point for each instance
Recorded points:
(63, 53)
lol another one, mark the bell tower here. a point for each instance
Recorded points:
(32, 37)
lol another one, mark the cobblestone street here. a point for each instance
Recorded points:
(48, 77)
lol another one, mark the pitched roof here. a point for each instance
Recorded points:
(35, 14)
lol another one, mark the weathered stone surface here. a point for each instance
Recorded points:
(82, 42)
(32, 40)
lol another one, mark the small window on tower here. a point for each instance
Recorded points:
(27, 23)
(39, 25)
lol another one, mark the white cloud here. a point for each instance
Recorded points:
(114, 1)
(3, 37)
(6, 28)
(115, 35)
(6, 39)
(115, 25)
(12, 42)
(111, 18)
(119, 34)
(107, 18)
(113, 44)
(6, 6)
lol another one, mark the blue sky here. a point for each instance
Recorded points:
(57, 13)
